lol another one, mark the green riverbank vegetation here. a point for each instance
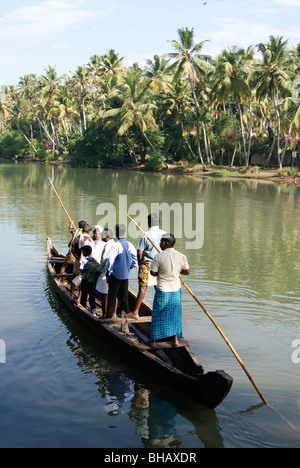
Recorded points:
(181, 110)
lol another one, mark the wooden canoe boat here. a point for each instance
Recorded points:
(178, 366)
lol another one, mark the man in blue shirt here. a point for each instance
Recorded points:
(122, 258)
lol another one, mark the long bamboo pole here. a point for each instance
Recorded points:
(60, 201)
(222, 334)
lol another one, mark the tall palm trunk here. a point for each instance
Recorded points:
(235, 135)
(83, 112)
(278, 126)
(26, 138)
(203, 126)
(271, 151)
(242, 127)
(44, 126)
(194, 93)
(250, 132)
(286, 144)
(64, 127)
(155, 150)
(199, 149)
(205, 137)
(187, 142)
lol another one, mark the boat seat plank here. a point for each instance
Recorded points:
(161, 345)
(64, 275)
(129, 320)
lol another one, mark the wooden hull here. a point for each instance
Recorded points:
(177, 366)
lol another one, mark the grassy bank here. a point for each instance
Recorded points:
(287, 174)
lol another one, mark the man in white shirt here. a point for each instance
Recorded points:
(96, 244)
(167, 315)
(145, 254)
(102, 286)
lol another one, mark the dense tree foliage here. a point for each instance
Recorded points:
(184, 105)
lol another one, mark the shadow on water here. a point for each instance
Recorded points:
(153, 407)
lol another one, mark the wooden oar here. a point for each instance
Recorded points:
(59, 199)
(222, 334)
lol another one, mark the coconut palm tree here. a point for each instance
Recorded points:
(94, 69)
(19, 111)
(4, 110)
(111, 63)
(188, 60)
(231, 81)
(272, 78)
(49, 85)
(136, 108)
(157, 71)
(78, 84)
(291, 106)
(67, 107)
(178, 103)
(190, 63)
(30, 89)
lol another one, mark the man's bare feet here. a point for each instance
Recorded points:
(116, 318)
(152, 343)
(175, 341)
(133, 315)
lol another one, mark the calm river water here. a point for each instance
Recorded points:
(61, 387)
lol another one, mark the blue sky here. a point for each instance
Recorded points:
(66, 33)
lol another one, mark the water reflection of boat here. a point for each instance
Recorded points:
(155, 411)
(176, 365)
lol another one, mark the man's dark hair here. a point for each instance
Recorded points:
(81, 224)
(87, 250)
(153, 219)
(107, 233)
(120, 230)
(169, 238)
(87, 228)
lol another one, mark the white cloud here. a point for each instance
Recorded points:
(240, 32)
(45, 18)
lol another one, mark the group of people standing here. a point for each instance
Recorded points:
(104, 267)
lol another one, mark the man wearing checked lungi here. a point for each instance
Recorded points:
(145, 254)
(168, 265)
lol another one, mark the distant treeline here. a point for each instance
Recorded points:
(184, 105)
